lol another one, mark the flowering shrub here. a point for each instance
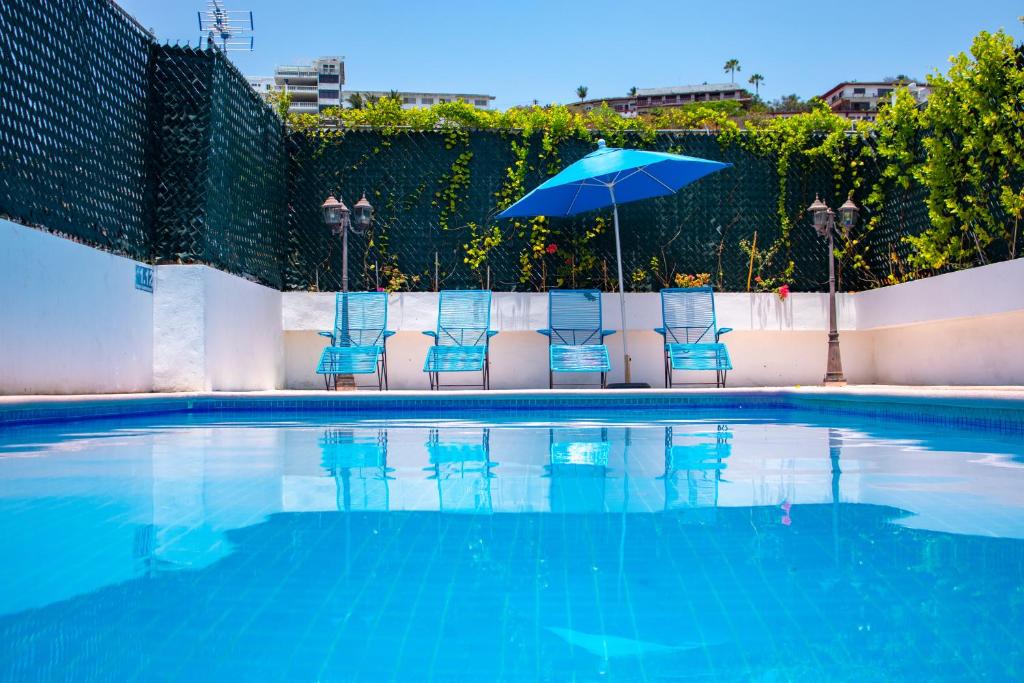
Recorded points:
(783, 292)
(696, 280)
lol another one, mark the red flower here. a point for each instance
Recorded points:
(783, 292)
(552, 248)
(757, 278)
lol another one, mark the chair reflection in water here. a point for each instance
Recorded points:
(578, 468)
(357, 459)
(694, 461)
(460, 461)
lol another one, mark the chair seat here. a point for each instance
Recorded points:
(349, 360)
(698, 356)
(587, 358)
(455, 359)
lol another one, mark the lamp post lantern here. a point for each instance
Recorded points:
(824, 221)
(338, 217)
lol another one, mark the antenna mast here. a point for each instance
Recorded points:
(229, 30)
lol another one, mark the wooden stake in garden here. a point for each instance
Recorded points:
(753, 250)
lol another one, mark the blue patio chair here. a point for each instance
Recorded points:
(463, 335)
(359, 338)
(578, 469)
(694, 462)
(461, 465)
(357, 460)
(576, 336)
(691, 333)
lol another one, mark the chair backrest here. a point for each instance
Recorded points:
(360, 318)
(574, 316)
(689, 315)
(463, 317)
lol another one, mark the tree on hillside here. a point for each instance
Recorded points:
(731, 67)
(581, 92)
(756, 80)
(790, 104)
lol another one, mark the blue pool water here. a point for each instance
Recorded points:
(710, 546)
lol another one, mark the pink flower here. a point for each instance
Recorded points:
(783, 292)
(552, 248)
(757, 278)
(381, 289)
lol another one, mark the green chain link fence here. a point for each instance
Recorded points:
(73, 122)
(218, 167)
(165, 154)
(697, 230)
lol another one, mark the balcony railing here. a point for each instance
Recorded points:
(295, 71)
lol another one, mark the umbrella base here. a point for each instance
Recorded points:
(629, 385)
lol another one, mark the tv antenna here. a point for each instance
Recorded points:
(230, 30)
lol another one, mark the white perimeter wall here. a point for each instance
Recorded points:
(963, 328)
(71, 320)
(215, 332)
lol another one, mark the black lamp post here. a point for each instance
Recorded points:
(825, 223)
(338, 217)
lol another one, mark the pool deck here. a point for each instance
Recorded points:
(994, 407)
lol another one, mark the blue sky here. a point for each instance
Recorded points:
(535, 49)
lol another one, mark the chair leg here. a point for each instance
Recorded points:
(327, 382)
(384, 361)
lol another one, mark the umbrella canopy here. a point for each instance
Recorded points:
(610, 176)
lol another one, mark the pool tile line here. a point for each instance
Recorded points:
(993, 411)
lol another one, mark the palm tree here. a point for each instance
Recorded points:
(394, 95)
(756, 80)
(355, 100)
(581, 92)
(632, 91)
(731, 67)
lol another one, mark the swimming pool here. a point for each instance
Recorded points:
(699, 544)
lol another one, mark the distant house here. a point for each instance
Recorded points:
(649, 99)
(859, 100)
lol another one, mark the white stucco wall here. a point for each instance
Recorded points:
(962, 328)
(215, 332)
(774, 343)
(71, 320)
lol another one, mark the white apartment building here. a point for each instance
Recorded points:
(312, 87)
(423, 99)
(860, 100)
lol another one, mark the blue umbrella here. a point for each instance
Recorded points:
(610, 176)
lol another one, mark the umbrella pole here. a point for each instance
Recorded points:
(622, 285)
